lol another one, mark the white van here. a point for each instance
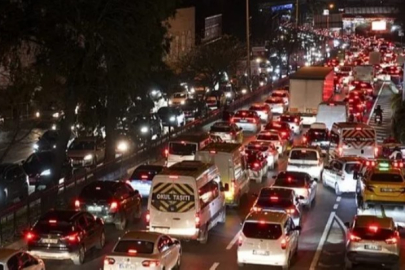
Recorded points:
(231, 163)
(332, 112)
(185, 147)
(352, 139)
(186, 201)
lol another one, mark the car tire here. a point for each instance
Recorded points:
(204, 238)
(79, 257)
(338, 192)
(101, 242)
(122, 224)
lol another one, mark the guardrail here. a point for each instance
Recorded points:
(23, 214)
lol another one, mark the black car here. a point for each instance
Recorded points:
(172, 116)
(13, 183)
(141, 178)
(47, 141)
(147, 126)
(65, 234)
(39, 167)
(114, 201)
(194, 109)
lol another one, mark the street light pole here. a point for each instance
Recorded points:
(248, 45)
(296, 12)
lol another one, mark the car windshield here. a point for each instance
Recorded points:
(182, 148)
(350, 168)
(267, 137)
(98, 191)
(82, 145)
(317, 135)
(290, 180)
(220, 128)
(245, 114)
(138, 246)
(386, 177)
(304, 155)
(373, 233)
(262, 231)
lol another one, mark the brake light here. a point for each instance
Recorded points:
(144, 177)
(109, 261)
(354, 238)
(340, 151)
(283, 243)
(256, 209)
(398, 164)
(273, 198)
(283, 133)
(114, 206)
(304, 139)
(394, 239)
(197, 220)
(232, 120)
(173, 176)
(296, 120)
(132, 251)
(72, 237)
(53, 221)
(351, 100)
(150, 263)
(291, 211)
(331, 104)
(373, 228)
(240, 240)
(256, 165)
(166, 152)
(77, 204)
(213, 152)
(375, 151)
(30, 236)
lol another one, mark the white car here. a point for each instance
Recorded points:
(178, 99)
(268, 238)
(276, 105)
(306, 159)
(284, 94)
(263, 111)
(275, 138)
(339, 174)
(247, 120)
(268, 149)
(227, 131)
(144, 250)
(294, 121)
(11, 259)
(300, 182)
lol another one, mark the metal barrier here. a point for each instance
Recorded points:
(23, 214)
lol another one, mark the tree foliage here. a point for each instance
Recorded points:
(398, 127)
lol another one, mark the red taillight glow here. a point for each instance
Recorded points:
(398, 164)
(144, 177)
(340, 151)
(256, 209)
(213, 152)
(114, 206)
(393, 240)
(373, 228)
(290, 211)
(256, 165)
(354, 238)
(132, 251)
(375, 151)
(77, 203)
(283, 243)
(147, 216)
(240, 240)
(29, 236)
(197, 220)
(173, 176)
(166, 152)
(109, 261)
(273, 198)
(304, 139)
(150, 263)
(53, 221)
(72, 237)
(283, 133)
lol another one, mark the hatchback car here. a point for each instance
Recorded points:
(144, 250)
(294, 121)
(263, 110)
(11, 259)
(115, 202)
(257, 165)
(247, 120)
(282, 128)
(274, 138)
(276, 105)
(306, 159)
(268, 150)
(229, 132)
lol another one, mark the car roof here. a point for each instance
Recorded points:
(366, 220)
(305, 147)
(269, 216)
(63, 215)
(141, 235)
(279, 191)
(149, 167)
(6, 253)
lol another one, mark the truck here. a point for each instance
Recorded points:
(310, 86)
(364, 73)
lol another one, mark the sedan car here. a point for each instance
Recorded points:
(284, 94)
(141, 178)
(86, 151)
(263, 110)
(247, 120)
(115, 202)
(282, 128)
(268, 150)
(172, 116)
(65, 235)
(294, 121)
(274, 138)
(11, 259)
(276, 105)
(144, 250)
(229, 132)
(13, 183)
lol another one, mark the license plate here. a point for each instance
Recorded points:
(387, 190)
(243, 120)
(50, 241)
(261, 252)
(125, 266)
(95, 208)
(372, 247)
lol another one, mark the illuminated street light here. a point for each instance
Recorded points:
(331, 6)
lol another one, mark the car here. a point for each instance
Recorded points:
(276, 104)
(229, 132)
(65, 235)
(268, 150)
(115, 202)
(279, 199)
(48, 141)
(229, 92)
(274, 138)
(142, 176)
(14, 183)
(300, 182)
(194, 109)
(172, 116)
(307, 159)
(339, 174)
(372, 240)
(247, 120)
(146, 126)
(294, 121)
(282, 128)
(284, 94)
(144, 250)
(39, 168)
(125, 143)
(263, 111)
(317, 135)
(86, 151)
(277, 230)
(257, 165)
(215, 100)
(11, 259)
(178, 98)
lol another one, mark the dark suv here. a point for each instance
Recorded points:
(147, 126)
(114, 201)
(13, 183)
(65, 234)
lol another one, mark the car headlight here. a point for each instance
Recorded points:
(88, 157)
(46, 172)
(122, 146)
(172, 119)
(182, 102)
(170, 102)
(261, 83)
(36, 146)
(144, 129)
(55, 115)
(244, 91)
(37, 114)
(53, 127)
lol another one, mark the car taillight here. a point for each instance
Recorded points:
(254, 121)
(166, 152)
(340, 151)
(284, 243)
(197, 220)
(113, 206)
(291, 211)
(296, 120)
(240, 239)
(256, 165)
(30, 236)
(150, 263)
(354, 238)
(375, 151)
(108, 261)
(398, 164)
(283, 133)
(77, 204)
(232, 120)
(147, 217)
(304, 139)
(393, 240)
(74, 238)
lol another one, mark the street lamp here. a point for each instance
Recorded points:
(331, 6)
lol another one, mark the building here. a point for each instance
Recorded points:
(181, 33)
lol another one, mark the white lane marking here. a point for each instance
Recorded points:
(322, 241)
(233, 241)
(214, 266)
(335, 206)
(341, 223)
(338, 199)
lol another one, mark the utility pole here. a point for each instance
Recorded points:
(403, 83)
(249, 72)
(297, 4)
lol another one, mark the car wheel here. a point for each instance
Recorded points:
(204, 238)
(338, 192)
(101, 242)
(78, 259)
(122, 224)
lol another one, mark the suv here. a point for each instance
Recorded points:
(268, 238)
(306, 159)
(65, 234)
(113, 201)
(86, 151)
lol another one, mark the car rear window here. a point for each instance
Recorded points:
(386, 177)
(139, 246)
(262, 231)
(52, 226)
(245, 114)
(183, 149)
(257, 108)
(269, 137)
(220, 128)
(97, 192)
(304, 155)
(317, 135)
(373, 233)
(267, 202)
(144, 174)
(290, 181)
(350, 168)
(274, 101)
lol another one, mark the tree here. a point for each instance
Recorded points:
(209, 62)
(398, 127)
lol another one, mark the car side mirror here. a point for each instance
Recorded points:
(347, 224)
(225, 187)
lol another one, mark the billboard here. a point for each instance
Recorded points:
(379, 26)
(212, 28)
